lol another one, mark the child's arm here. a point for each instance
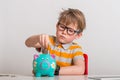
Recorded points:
(77, 68)
(38, 41)
(33, 41)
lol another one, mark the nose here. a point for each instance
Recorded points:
(65, 31)
(45, 65)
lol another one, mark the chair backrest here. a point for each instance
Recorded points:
(86, 64)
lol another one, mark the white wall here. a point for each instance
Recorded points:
(3, 21)
(20, 19)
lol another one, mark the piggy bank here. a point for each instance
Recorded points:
(44, 65)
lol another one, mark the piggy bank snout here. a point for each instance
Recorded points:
(45, 65)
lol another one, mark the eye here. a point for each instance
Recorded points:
(62, 27)
(71, 30)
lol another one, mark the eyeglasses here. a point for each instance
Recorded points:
(70, 31)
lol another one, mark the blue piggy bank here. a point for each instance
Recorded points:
(44, 65)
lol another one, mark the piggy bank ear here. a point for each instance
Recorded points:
(53, 56)
(35, 56)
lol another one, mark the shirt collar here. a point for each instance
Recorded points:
(65, 46)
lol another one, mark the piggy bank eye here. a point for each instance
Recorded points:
(47, 58)
(42, 58)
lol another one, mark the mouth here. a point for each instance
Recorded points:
(62, 37)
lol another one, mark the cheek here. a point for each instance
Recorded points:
(58, 32)
(70, 39)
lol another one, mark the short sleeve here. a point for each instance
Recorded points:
(78, 54)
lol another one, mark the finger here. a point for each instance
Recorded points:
(47, 41)
(44, 42)
(40, 41)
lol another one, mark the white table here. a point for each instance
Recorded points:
(60, 77)
(65, 77)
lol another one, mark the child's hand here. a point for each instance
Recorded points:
(57, 70)
(44, 40)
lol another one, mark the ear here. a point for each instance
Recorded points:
(36, 56)
(53, 56)
(78, 35)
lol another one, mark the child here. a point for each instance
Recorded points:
(68, 55)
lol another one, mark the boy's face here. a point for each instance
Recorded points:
(66, 33)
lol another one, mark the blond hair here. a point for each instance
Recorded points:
(74, 16)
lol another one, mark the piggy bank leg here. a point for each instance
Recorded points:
(51, 74)
(38, 75)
